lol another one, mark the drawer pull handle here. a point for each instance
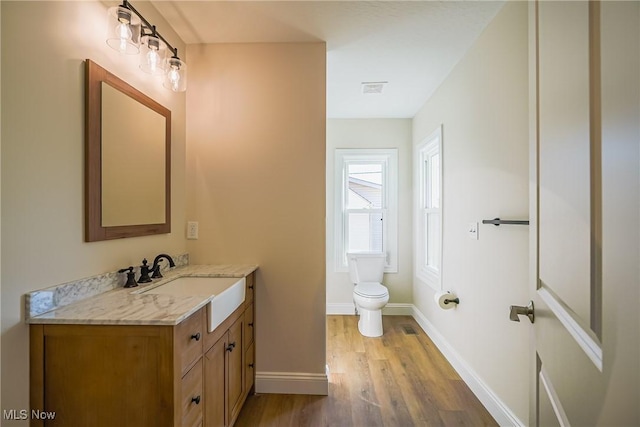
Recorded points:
(196, 400)
(231, 346)
(196, 336)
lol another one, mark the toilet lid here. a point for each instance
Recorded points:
(371, 289)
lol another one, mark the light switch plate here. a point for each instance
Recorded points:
(192, 230)
(472, 231)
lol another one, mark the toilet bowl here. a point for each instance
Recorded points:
(370, 296)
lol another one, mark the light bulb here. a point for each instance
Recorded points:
(153, 59)
(124, 34)
(174, 78)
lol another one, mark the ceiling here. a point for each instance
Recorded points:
(412, 45)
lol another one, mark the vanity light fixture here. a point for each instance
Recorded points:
(128, 30)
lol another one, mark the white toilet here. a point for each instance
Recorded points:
(370, 296)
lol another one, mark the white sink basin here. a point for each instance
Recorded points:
(228, 293)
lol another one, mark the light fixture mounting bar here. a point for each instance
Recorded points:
(147, 25)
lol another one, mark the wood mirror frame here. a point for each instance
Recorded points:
(94, 229)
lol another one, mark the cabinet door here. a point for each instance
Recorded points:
(89, 372)
(214, 383)
(235, 355)
(249, 327)
(250, 369)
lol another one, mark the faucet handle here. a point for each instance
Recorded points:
(131, 277)
(144, 272)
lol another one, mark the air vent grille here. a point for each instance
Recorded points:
(373, 87)
(408, 330)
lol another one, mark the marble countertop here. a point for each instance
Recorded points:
(122, 306)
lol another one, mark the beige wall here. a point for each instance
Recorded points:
(482, 106)
(372, 133)
(43, 48)
(256, 180)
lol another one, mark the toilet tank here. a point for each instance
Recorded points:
(366, 267)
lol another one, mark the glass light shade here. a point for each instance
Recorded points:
(123, 30)
(175, 77)
(153, 55)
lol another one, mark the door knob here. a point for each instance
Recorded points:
(516, 310)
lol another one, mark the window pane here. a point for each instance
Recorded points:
(364, 232)
(365, 185)
(434, 178)
(432, 228)
(424, 173)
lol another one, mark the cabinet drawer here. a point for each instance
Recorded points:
(249, 327)
(250, 281)
(250, 368)
(188, 339)
(235, 367)
(192, 398)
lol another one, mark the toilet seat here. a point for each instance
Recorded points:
(371, 290)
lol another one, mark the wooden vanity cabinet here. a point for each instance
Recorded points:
(143, 375)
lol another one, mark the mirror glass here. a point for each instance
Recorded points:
(125, 120)
(127, 170)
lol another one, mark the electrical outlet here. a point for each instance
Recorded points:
(472, 230)
(192, 230)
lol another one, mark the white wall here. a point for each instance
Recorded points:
(371, 133)
(44, 45)
(482, 106)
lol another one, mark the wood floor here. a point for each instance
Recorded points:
(397, 380)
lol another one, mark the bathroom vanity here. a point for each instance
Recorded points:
(150, 361)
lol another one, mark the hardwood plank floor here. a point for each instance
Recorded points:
(397, 380)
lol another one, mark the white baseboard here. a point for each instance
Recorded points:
(343, 308)
(392, 309)
(496, 407)
(398, 309)
(292, 383)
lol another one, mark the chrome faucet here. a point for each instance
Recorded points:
(156, 266)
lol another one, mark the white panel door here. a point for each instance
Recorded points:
(571, 380)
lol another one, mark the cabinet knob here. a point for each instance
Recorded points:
(231, 346)
(250, 286)
(251, 365)
(196, 336)
(251, 324)
(196, 400)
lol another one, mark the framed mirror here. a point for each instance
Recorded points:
(127, 160)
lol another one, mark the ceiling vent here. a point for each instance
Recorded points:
(373, 87)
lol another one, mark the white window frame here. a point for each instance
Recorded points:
(426, 149)
(388, 157)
